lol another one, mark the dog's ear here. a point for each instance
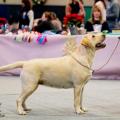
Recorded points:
(70, 45)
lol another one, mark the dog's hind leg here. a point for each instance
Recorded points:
(26, 92)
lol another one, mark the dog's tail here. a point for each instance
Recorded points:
(12, 66)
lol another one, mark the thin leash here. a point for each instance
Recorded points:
(89, 68)
(93, 71)
(109, 57)
(81, 63)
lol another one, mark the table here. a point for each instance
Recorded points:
(11, 51)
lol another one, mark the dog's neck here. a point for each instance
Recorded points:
(86, 52)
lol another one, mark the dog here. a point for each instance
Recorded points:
(70, 71)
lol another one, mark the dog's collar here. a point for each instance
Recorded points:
(85, 42)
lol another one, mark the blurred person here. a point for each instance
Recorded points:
(96, 23)
(75, 7)
(45, 16)
(44, 23)
(101, 4)
(26, 15)
(56, 22)
(74, 10)
(13, 24)
(113, 13)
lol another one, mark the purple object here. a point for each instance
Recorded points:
(11, 51)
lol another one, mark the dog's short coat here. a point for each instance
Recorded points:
(72, 70)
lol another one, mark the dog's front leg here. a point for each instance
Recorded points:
(81, 100)
(77, 99)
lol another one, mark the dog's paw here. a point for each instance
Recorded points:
(79, 111)
(22, 112)
(27, 110)
(84, 109)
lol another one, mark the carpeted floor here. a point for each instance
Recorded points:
(101, 98)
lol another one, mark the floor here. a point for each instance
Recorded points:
(101, 98)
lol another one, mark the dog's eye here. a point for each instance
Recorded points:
(93, 36)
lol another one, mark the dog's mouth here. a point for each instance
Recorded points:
(100, 45)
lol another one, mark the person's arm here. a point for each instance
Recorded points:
(67, 9)
(31, 19)
(82, 10)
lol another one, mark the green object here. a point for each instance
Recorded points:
(105, 32)
(88, 10)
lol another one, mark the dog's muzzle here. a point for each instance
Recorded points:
(101, 44)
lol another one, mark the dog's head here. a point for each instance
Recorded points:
(94, 40)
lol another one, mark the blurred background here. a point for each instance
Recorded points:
(10, 7)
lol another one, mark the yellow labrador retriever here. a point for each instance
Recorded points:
(69, 71)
